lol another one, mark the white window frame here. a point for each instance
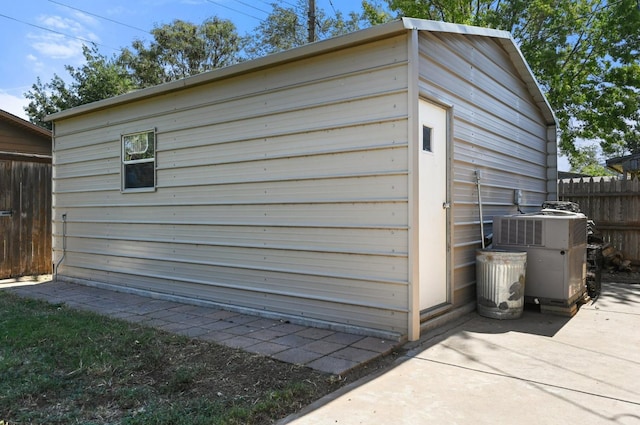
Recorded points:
(125, 161)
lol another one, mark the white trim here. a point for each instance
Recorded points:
(437, 26)
(413, 329)
(124, 163)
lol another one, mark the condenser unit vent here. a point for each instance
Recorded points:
(579, 236)
(539, 230)
(526, 232)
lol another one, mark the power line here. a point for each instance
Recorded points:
(270, 3)
(330, 3)
(235, 10)
(58, 32)
(101, 17)
(248, 5)
(290, 4)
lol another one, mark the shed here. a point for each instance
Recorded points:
(333, 184)
(25, 197)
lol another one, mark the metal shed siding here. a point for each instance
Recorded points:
(497, 129)
(281, 190)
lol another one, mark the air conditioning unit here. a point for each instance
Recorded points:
(556, 246)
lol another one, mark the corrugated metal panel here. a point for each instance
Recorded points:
(99, 150)
(174, 256)
(498, 128)
(361, 163)
(191, 148)
(347, 214)
(284, 189)
(342, 189)
(330, 311)
(325, 239)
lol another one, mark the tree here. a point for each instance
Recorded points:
(282, 30)
(588, 161)
(181, 49)
(374, 13)
(48, 98)
(584, 53)
(99, 78)
(286, 28)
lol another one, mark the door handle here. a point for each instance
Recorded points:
(6, 213)
(446, 205)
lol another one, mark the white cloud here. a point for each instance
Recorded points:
(86, 19)
(13, 104)
(56, 46)
(66, 37)
(61, 24)
(37, 64)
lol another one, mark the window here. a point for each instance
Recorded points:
(138, 161)
(426, 138)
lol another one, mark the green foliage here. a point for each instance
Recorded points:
(587, 161)
(287, 27)
(584, 54)
(48, 98)
(181, 49)
(178, 50)
(283, 29)
(373, 13)
(99, 78)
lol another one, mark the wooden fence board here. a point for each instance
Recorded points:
(614, 206)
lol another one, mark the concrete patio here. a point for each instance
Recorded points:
(540, 369)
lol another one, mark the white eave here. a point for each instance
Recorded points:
(324, 46)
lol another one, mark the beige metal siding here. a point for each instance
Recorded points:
(282, 190)
(497, 128)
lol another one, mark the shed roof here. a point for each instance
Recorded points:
(324, 46)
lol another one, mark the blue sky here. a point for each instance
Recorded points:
(40, 37)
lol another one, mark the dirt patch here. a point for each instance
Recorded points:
(234, 377)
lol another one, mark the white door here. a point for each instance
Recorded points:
(432, 207)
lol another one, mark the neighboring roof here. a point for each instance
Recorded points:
(570, 175)
(324, 46)
(19, 122)
(625, 164)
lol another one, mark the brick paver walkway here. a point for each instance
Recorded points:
(320, 349)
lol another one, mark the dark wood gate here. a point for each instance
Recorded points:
(25, 218)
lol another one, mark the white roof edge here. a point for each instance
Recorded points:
(336, 43)
(438, 26)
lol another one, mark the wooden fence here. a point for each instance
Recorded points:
(25, 217)
(614, 206)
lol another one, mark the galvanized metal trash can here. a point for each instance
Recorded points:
(500, 280)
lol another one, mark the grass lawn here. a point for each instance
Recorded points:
(61, 366)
